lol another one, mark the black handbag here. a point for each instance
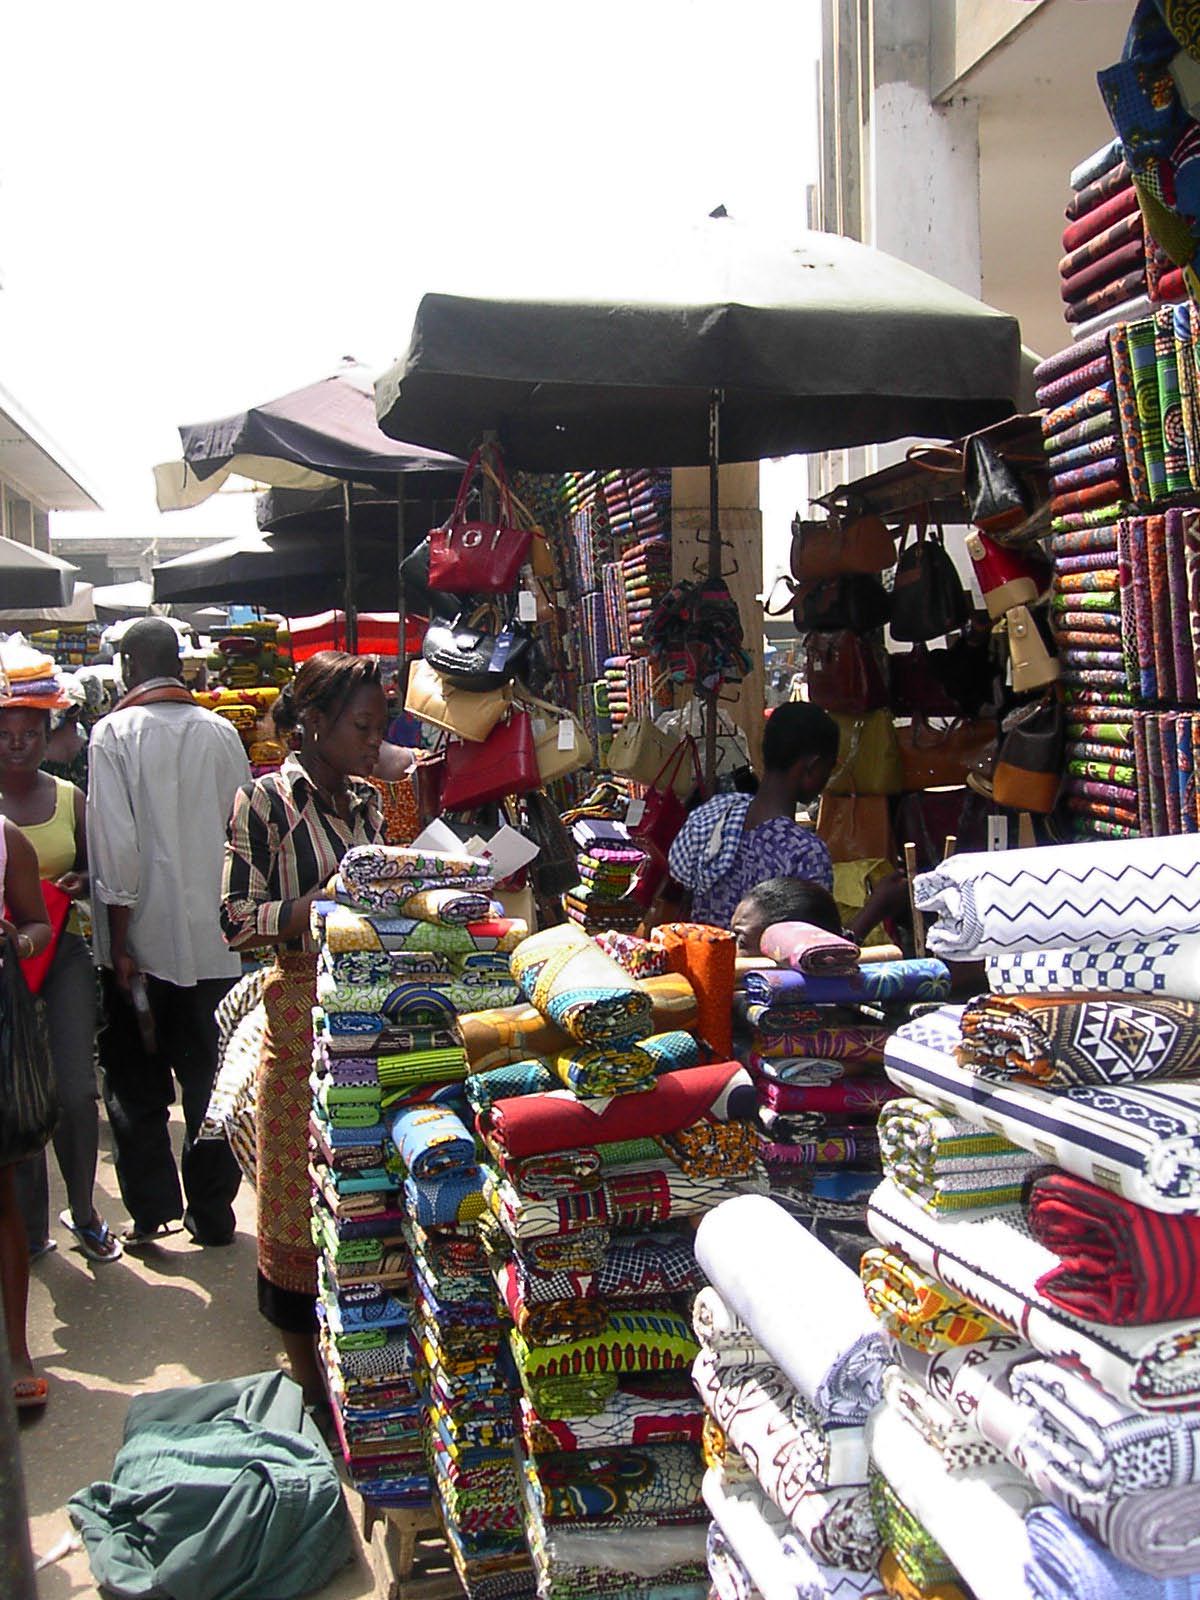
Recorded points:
(28, 1103)
(478, 651)
(928, 598)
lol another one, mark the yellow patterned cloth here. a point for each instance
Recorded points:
(918, 1310)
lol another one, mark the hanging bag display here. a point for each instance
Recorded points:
(477, 651)
(868, 756)
(470, 714)
(939, 758)
(1029, 768)
(504, 764)
(928, 598)
(28, 1105)
(845, 672)
(833, 548)
(468, 558)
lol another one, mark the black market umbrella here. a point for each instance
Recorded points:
(295, 575)
(722, 345)
(324, 436)
(30, 579)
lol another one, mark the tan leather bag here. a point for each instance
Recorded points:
(469, 713)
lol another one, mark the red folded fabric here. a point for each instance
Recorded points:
(1120, 1262)
(1122, 204)
(845, 1096)
(536, 1124)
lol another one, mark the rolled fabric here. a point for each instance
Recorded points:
(1087, 895)
(812, 1319)
(947, 1164)
(705, 956)
(808, 949)
(575, 985)
(536, 1124)
(722, 1330)
(880, 983)
(498, 1037)
(1119, 1263)
(432, 1141)
(916, 1308)
(994, 1263)
(1064, 1562)
(975, 1518)
(1129, 966)
(1068, 1040)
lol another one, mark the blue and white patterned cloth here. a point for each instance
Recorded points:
(720, 862)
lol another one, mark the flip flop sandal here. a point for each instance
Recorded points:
(30, 1394)
(97, 1240)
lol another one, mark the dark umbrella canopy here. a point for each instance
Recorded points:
(825, 343)
(30, 579)
(295, 575)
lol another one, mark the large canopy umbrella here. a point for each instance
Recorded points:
(319, 437)
(723, 345)
(30, 579)
(293, 575)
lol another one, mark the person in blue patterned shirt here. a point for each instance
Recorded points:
(733, 842)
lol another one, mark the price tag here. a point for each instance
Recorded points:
(566, 734)
(526, 606)
(637, 810)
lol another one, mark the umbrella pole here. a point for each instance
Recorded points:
(351, 604)
(710, 696)
(401, 625)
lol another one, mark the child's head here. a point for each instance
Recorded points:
(782, 900)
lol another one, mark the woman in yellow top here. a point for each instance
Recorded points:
(50, 813)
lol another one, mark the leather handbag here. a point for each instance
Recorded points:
(1034, 665)
(832, 548)
(1029, 768)
(845, 673)
(471, 714)
(868, 756)
(477, 651)
(562, 745)
(939, 758)
(996, 497)
(856, 827)
(504, 764)
(468, 558)
(920, 683)
(928, 598)
(1006, 577)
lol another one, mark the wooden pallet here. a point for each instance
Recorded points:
(408, 1554)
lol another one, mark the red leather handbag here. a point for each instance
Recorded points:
(478, 557)
(504, 764)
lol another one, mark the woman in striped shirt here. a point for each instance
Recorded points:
(287, 835)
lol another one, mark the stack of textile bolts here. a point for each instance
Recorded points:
(606, 1130)
(1038, 1230)
(608, 863)
(407, 939)
(1122, 435)
(812, 1031)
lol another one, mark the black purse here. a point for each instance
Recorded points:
(928, 598)
(479, 651)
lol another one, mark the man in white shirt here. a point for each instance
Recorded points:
(162, 775)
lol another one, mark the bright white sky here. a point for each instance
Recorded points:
(204, 206)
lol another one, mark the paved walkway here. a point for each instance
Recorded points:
(158, 1318)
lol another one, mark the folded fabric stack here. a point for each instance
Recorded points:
(1045, 1335)
(598, 1154)
(816, 1060)
(1105, 273)
(468, 1412)
(790, 1368)
(608, 863)
(396, 961)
